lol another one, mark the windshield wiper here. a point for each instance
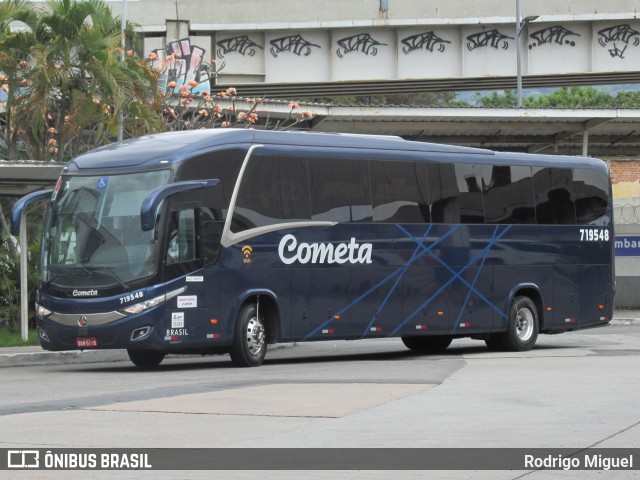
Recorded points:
(109, 270)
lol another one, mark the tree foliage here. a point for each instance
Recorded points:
(566, 97)
(66, 81)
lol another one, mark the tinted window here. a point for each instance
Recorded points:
(182, 250)
(399, 192)
(455, 193)
(223, 165)
(182, 244)
(553, 189)
(273, 190)
(590, 187)
(508, 194)
(340, 190)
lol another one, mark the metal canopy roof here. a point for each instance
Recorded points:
(20, 178)
(610, 131)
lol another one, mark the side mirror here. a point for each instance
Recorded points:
(24, 202)
(157, 195)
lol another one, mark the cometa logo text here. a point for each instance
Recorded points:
(291, 251)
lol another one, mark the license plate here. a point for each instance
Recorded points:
(85, 342)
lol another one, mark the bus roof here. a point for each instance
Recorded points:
(173, 147)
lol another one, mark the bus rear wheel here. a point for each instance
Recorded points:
(145, 358)
(427, 344)
(250, 340)
(522, 328)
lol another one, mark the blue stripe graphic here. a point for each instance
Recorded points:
(420, 251)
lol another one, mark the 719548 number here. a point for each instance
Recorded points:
(594, 235)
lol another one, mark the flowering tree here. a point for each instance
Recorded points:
(188, 107)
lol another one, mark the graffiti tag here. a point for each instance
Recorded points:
(490, 38)
(555, 34)
(426, 41)
(242, 45)
(362, 42)
(618, 33)
(295, 44)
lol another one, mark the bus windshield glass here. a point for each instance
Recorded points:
(93, 236)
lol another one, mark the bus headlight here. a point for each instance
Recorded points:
(154, 302)
(41, 311)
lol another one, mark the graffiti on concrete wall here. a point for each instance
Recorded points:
(486, 50)
(362, 42)
(490, 38)
(295, 44)
(241, 44)
(427, 41)
(182, 63)
(616, 39)
(555, 34)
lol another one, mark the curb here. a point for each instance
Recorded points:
(22, 359)
(43, 357)
(625, 321)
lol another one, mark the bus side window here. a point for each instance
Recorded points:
(274, 190)
(553, 189)
(508, 195)
(399, 192)
(455, 193)
(591, 190)
(182, 245)
(340, 190)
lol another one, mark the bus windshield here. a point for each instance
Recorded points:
(93, 236)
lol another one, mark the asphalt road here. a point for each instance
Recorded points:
(575, 390)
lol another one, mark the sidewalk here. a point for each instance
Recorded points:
(34, 355)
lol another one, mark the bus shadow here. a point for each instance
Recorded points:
(298, 357)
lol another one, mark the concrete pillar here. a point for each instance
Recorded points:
(176, 30)
(585, 142)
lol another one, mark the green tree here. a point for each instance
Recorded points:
(565, 97)
(425, 99)
(14, 48)
(507, 99)
(80, 86)
(10, 265)
(71, 81)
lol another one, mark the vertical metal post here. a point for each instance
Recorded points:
(585, 142)
(518, 55)
(123, 25)
(24, 287)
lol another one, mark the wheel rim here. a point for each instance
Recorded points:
(255, 336)
(524, 324)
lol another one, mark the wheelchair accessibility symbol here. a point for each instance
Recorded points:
(102, 183)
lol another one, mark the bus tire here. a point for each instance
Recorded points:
(145, 358)
(249, 345)
(427, 344)
(522, 327)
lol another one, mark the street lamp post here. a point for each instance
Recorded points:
(519, 26)
(123, 26)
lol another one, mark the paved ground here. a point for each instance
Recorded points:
(575, 390)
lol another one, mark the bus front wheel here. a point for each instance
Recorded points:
(145, 358)
(427, 344)
(522, 328)
(250, 340)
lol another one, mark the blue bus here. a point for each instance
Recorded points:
(227, 240)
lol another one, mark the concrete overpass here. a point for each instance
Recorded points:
(298, 49)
